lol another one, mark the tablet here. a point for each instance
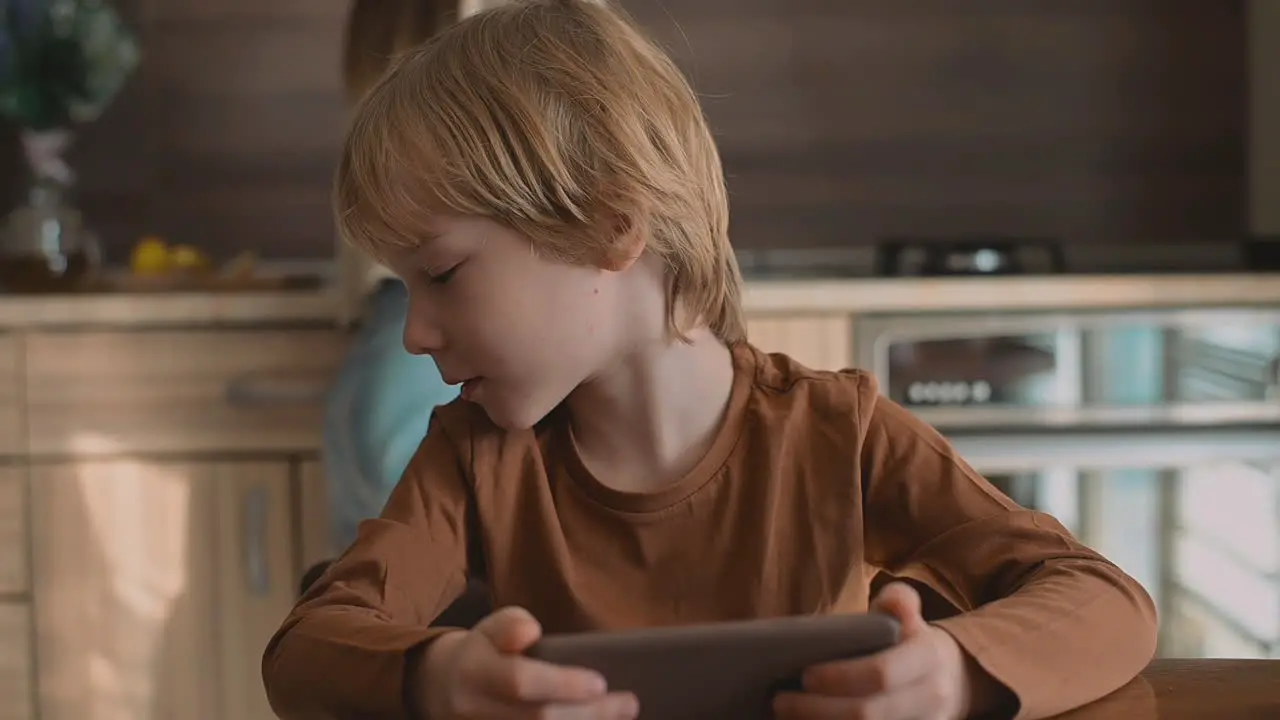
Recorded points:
(719, 670)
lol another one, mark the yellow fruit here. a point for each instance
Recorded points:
(150, 257)
(186, 257)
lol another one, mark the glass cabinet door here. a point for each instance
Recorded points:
(1224, 548)
(1203, 537)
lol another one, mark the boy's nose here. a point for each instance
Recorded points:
(420, 339)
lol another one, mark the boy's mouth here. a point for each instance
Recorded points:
(469, 388)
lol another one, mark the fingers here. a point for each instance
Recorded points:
(614, 706)
(497, 669)
(892, 706)
(510, 629)
(918, 700)
(520, 679)
(496, 680)
(902, 602)
(900, 665)
(918, 679)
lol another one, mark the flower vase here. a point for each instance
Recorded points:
(45, 246)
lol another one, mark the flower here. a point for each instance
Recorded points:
(61, 61)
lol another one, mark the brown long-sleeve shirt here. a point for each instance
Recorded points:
(813, 484)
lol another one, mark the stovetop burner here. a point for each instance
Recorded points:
(919, 257)
(1002, 255)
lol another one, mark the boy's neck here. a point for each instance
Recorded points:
(647, 421)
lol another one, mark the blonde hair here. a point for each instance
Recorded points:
(379, 30)
(561, 120)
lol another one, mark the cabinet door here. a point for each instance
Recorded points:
(15, 606)
(156, 585)
(822, 342)
(257, 576)
(312, 518)
(13, 533)
(15, 661)
(11, 394)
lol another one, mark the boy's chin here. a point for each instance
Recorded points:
(511, 418)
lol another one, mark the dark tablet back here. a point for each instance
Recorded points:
(720, 670)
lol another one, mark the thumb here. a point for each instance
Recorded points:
(510, 630)
(902, 602)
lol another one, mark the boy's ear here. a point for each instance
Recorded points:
(626, 244)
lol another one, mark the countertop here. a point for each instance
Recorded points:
(816, 296)
(1051, 292)
(169, 309)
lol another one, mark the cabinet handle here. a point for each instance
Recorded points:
(255, 391)
(257, 570)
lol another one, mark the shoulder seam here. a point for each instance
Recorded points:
(858, 376)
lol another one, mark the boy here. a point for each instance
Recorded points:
(542, 178)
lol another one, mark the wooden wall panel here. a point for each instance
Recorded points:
(1093, 120)
(1264, 76)
(841, 121)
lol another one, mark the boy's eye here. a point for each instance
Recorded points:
(440, 277)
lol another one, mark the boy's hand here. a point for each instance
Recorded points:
(926, 676)
(482, 674)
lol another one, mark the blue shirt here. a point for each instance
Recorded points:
(376, 414)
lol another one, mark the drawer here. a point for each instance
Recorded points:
(10, 395)
(178, 391)
(13, 533)
(822, 342)
(16, 678)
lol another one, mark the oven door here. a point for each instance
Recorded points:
(1106, 369)
(1192, 514)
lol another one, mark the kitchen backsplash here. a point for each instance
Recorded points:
(1264, 118)
(1097, 121)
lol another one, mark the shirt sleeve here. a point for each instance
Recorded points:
(345, 648)
(1052, 620)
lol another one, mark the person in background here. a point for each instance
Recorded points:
(377, 411)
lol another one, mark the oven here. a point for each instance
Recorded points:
(1153, 436)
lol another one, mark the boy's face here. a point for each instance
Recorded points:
(519, 330)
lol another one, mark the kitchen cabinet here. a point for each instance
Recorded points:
(820, 341)
(158, 585)
(11, 389)
(13, 533)
(312, 513)
(159, 495)
(15, 608)
(15, 663)
(177, 391)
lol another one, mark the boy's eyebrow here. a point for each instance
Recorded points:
(427, 241)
